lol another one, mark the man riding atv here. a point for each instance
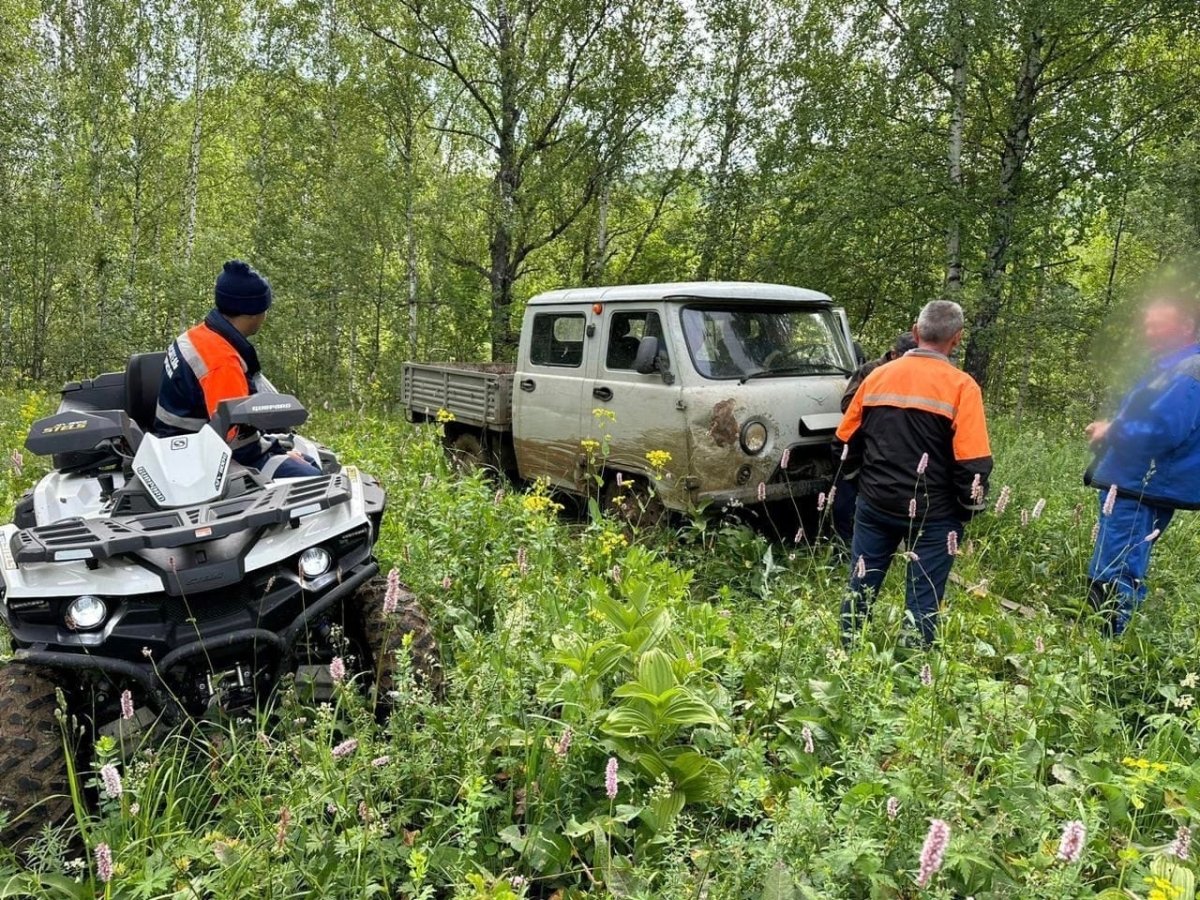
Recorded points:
(215, 361)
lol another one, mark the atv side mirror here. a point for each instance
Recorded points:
(266, 412)
(646, 360)
(73, 431)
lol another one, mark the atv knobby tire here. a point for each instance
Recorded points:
(384, 634)
(33, 766)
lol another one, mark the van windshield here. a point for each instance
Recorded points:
(736, 341)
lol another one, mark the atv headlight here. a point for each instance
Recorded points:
(315, 561)
(754, 437)
(86, 612)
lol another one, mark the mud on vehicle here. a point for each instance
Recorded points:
(162, 567)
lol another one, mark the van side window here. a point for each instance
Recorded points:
(557, 340)
(625, 333)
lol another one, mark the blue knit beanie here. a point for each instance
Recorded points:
(241, 291)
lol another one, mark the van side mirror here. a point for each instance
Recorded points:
(646, 361)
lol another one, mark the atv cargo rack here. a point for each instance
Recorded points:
(96, 539)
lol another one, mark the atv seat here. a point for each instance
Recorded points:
(143, 376)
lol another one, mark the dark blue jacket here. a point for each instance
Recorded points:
(208, 363)
(1152, 449)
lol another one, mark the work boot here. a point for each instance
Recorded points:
(1102, 595)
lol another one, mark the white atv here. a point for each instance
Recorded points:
(162, 567)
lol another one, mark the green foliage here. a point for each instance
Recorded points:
(754, 756)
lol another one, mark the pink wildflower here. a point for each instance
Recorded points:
(1181, 847)
(1152, 536)
(893, 807)
(135, 808)
(1095, 532)
(1003, 500)
(331, 808)
(952, 543)
(610, 778)
(620, 479)
(762, 492)
(345, 748)
(126, 705)
(912, 508)
(616, 573)
(111, 779)
(785, 458)
(832, 494)
(821, 502)
(446, 583)
(365, 815)
(499, 497)
(1039, 645)
(923, 464)
(799, 538)
(911, 556)
(1024, 518)
(926, 675)
(934, 851)
(977, 491)
(1039, 508)
(104, 863)
(337, 670)
(1110, 501)
(285, 822)
(1074, 837)
(522, 561)
(391, 598)
(807, 734)
(860, 568)
(564, 742)
(16, 461)
(380, 761)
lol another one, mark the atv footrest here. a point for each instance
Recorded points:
(84, 539)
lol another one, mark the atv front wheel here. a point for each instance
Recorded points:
(33, 766)
(384, 634)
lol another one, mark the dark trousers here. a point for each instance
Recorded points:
(1122, 555)
(845, 499)
(877, 537)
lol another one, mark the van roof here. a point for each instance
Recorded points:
(737, 291)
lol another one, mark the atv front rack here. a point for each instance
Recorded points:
(96, 539)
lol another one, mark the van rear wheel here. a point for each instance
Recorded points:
(466, 453)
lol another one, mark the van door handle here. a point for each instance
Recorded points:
(528, 384)
(602, 393)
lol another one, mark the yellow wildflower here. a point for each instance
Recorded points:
(658, 459)
(444, 416)
(589, 446)
(1162, 889)
(601, 415)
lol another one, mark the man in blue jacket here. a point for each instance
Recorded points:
(1147, 458)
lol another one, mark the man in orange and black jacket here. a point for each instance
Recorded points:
(845, 494)
(917, 444)
(215, 361)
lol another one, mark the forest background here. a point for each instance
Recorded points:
(407, 173)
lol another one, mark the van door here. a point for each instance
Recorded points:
(844, 321)
(549, 396)
(646, 409)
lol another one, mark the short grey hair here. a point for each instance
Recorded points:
(939, 321)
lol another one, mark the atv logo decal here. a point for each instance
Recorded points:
(221, 471)
(154, 489)
(60, 427)
(270, 406)
(179, 443)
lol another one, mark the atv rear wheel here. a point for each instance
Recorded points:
(384, 634)
(33, 766)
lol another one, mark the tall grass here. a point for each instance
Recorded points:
(755, 757)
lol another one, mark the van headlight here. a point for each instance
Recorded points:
(754, 437)
(86, 612)
(315, 562)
